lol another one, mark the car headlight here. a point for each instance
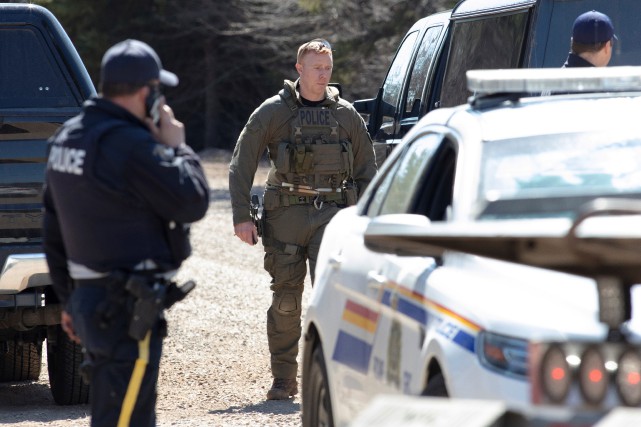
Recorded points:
(503, 354)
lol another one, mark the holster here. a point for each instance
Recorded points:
(149, 302)
(151, 297)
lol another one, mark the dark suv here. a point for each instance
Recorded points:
(429, 68)
(43, 82)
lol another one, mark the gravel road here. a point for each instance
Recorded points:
(215, 366)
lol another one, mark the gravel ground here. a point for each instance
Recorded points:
(215, 366)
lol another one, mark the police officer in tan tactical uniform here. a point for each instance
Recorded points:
(321, 160)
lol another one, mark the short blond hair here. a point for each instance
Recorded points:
(316, 45)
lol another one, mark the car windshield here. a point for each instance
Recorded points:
(546, 176)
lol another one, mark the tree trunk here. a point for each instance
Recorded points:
(212, 101)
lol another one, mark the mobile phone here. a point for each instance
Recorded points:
(152, 104)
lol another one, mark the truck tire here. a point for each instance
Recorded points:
(21, 362)
(64, 359)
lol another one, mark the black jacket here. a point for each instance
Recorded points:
(111, 193)
(575, 60)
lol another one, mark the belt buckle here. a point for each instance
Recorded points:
(302, 199)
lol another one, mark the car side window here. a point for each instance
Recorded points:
(420, 71)
(435, 192)
(489, 43)
(395, 78)
(395, 194)
(36, 79)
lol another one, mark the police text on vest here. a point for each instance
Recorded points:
(314, 117)
(66, 160)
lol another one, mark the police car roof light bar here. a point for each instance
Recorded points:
(533, 80)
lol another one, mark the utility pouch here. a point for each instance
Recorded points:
(304, 159)
(112, 306)
(351, 195)
(284, 157)
(271, 200)
(178, 237)
(148, 305)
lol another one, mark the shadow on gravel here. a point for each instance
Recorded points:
(278, 407)
(27, 401)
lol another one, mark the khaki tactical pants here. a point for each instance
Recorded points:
(301, 228)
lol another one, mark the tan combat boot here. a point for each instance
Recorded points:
(282, 389)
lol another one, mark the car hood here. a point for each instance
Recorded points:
(516, 300)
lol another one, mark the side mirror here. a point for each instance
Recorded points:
(365, 107)
(369, 110)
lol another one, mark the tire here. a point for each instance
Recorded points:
(436, 387)
(64, 359)
(317, 404)
(21, 362)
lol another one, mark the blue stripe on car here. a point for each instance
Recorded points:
(352, 352)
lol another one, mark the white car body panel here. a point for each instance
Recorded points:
(449, 306)
(382, 318)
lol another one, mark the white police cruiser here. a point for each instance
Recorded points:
(466, 270)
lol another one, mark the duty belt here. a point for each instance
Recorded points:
(290, 199)
(93, 283)
(114, 278)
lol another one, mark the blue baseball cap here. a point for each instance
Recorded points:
(134, 62)
(592, 28)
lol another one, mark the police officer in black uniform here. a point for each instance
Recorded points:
(121, 189)
(592, 41)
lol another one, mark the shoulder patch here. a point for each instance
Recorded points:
(164, 153)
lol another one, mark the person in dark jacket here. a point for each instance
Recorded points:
(592, 41)
(121, 189)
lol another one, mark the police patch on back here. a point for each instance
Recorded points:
(66, 160)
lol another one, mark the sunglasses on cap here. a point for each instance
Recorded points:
(323, 42)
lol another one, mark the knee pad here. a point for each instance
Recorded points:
(286, 303)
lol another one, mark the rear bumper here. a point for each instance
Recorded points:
(22, 271)
(23, 301)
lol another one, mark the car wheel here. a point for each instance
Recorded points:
(64, 359)
(21, 362)
(317, 405)
(436, 387)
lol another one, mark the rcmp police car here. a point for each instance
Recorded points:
(394, 312)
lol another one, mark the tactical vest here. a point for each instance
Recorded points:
(315, 156)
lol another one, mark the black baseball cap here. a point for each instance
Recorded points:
(592, 28)
(134, 62)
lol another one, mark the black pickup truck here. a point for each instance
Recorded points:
(428, 70)
(43, 82)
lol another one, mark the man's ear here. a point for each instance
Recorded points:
(143, 92)
(299, 68)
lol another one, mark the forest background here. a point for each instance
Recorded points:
(230, 55)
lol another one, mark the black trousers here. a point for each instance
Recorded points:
(124, 372)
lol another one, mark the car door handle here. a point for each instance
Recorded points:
(335, 261)
(376, 281)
